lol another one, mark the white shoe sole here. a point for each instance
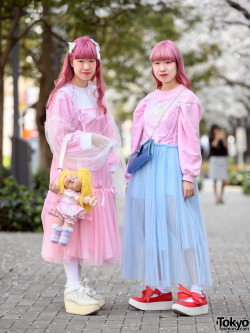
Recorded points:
(101, 302)
(82, 310)
(183, 310)
(151, 306)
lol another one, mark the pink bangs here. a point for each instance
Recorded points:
(84, 49)
(168, 50)
(162, 52)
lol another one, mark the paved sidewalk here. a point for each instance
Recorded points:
(31, 290)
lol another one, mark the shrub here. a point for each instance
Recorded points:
(242, 178)
(236, 177)
(20, 207)
(4, 173)
(199, 183)
(246, 184)
(41, 182)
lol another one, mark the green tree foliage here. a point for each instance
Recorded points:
(126, 31)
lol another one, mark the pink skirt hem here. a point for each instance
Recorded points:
(94, 241)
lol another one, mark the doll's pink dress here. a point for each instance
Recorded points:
(67, 208)
(96, 239)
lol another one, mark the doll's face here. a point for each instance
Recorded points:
(72, 182)
(165, 71)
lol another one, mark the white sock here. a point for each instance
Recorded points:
(163, 290)
(73, 272)
(195, 288)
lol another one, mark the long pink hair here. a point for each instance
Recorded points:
(84, 49)
(167, 50)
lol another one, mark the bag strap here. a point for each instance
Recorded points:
(63, 150)
(166, 111)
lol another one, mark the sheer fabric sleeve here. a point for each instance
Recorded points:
(188, 136)
(80, 152)
(116, 159)
(110, 130)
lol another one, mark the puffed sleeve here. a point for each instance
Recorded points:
(188, 136)
(137, 128)
(61, 120)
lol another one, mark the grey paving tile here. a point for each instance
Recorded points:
(17, 330)
(6, 323)
(38, 324)
(31, 290)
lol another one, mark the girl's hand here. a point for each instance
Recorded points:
(93, 201)
(188, 189)
(53, 187)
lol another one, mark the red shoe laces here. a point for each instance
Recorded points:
(185, 293)
(147, 294)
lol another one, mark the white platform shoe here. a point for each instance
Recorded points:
(92, 293)
(78, 302)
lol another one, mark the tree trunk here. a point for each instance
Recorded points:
(247, 152)
(48, 70)
(1, 114)
(1, 89)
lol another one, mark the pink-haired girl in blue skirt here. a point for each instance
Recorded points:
(164, 238)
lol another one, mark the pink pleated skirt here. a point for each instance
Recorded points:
(94, 241)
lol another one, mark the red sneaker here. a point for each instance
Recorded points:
(196, 308)
(146, 302)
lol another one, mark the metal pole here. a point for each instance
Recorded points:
(15, 75)
(21, 151)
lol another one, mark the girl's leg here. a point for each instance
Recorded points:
(161, 288)
(223, 184)
(73, 272)
(215, 191)
(191, 264)
(192, 268)
(189, 306)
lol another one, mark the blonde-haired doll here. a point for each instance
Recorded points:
(74, 199)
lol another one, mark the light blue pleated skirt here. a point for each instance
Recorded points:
(164, 237)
